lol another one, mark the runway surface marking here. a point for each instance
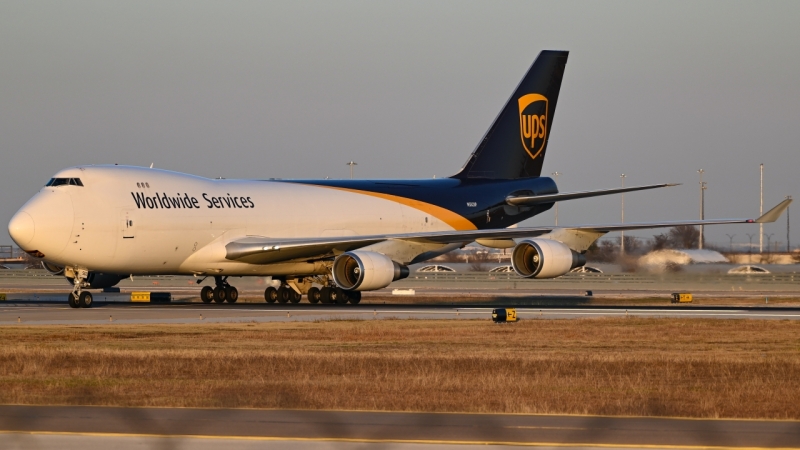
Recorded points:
(389, 441)
(390, 427)
(195, 314)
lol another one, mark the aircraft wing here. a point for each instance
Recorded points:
(526, 200)
(263, 250)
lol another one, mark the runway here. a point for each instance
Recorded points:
(12, 314)
(97, 427)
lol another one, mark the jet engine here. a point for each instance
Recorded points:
(100, 280)
(544, 258)
(366, 271)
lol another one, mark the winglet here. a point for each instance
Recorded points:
(773, 214)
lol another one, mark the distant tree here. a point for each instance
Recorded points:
(659, 242)
(453, 256)
(684, 236)
(633, 245)
(478, 260)
(602, 251)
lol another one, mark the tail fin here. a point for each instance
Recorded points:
(515, 144)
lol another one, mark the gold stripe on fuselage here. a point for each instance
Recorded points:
(456, 221)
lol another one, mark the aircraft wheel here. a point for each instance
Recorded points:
(294, 296)
(338, 296)
(85, 300)
(231, 294)
(313, 295)
(284, 294)
(73, 301)
(355, 297)
(271, 294)
(325, 295)
(207, 294)
(219, 294)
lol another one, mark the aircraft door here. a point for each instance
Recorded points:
(128, 225)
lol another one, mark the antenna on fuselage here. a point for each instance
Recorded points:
(151, 165)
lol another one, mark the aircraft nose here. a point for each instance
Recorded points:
(22, 228)
(44, 224)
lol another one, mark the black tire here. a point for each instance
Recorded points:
(219, 294)
(295, 296)
(284, 295)
(270, 294)
(73, 301)
(354, 297)
(338, 296)
(85, 300)
(325, 295)
(207, 294)
(231, 294)
(313, 295)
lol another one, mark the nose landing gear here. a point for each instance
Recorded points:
(79, 298)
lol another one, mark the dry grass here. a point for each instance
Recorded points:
(675, 367)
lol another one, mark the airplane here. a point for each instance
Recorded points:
(329, 240)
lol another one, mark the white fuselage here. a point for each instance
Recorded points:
(132, 220)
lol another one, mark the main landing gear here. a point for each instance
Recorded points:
(221, 293)
(284, 294)
(79, 298)
(290, 292)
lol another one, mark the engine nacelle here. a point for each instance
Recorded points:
(366, 271)
(52, 268)
(544, 258)
(99, 280)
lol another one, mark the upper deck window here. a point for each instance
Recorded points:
(64, 182)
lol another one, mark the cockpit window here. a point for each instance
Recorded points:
(64, 182)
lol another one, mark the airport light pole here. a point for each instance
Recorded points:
(761, 213)
(769, 239)
(555, 175)
(351, 164)
(788, 246)
(702, 207)
(622, 233)
(750, 248)
(730, 245)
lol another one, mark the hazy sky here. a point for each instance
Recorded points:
(406, 89)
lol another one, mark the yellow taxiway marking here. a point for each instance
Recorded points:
(385, 441)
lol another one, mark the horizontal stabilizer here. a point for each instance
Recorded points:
(551, 198)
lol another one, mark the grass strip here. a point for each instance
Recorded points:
(611, 366)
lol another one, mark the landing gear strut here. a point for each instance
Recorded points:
(79, 298)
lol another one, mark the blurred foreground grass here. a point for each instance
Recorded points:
(634, 366)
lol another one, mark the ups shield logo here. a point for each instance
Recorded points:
(533, 123)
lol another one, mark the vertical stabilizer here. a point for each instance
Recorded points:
(515, 145)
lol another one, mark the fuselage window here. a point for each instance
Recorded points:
(75, 182)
